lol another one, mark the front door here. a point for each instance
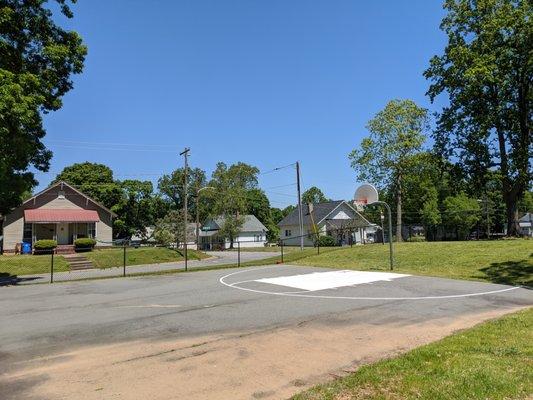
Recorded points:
(62, 233)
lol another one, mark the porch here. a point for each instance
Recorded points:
(64, 233)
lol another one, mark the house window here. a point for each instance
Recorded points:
(288, 232)
(28, 233)
(258, 238)
(91, 230)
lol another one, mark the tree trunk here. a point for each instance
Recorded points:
(399, 210)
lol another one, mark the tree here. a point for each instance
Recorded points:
(396, 135)
(313, 195)
(486, 71)
(232, 185)
(138, 208)
(461, 213)
(169, 229)
(37, 59)
(259, 205)
(430, 213)
(95, 180)
(171, 186)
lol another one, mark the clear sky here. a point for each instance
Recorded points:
(263, 82)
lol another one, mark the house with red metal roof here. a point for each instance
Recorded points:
(61, 213)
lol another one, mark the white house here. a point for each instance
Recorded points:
(333, 218)
(252, 234)
(525, 225)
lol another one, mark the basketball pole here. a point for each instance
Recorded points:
(389, 215)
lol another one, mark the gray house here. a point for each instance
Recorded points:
(62, 213)
(252, 234)
(333, 218)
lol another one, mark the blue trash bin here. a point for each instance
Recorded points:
(26, 248)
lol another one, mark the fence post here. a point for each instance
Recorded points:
(239, 254)
(124, 260)
(52, 268)
(282, 251)
(318, 246)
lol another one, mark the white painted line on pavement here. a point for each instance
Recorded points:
(295, 294)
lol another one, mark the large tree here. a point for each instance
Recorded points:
(313, 195)
(486, 72)
(396, 136)
(37, 59)
(93, 179)
(232, 185)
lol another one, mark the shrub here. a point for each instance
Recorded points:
(84, 244)
(416, 239)
(326, 241)
(45, 244)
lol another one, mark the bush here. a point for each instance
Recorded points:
(326, 241)
(416, 239)
(84, 244)
(45, 244)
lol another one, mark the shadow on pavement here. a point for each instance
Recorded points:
(6, 279)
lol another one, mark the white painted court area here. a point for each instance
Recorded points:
(330, 280)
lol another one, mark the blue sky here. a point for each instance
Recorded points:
(263, 82)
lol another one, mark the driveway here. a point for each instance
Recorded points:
(262, 332)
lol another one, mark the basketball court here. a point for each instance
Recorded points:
(263, 332)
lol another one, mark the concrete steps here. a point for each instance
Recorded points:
(78, 262)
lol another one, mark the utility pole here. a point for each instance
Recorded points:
(300, 212)
(185, 154)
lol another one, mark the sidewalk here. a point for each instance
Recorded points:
(216, 258)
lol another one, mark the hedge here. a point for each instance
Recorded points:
(326, 241)
(44, 244)
(84, 243)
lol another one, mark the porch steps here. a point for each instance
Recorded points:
(65, 249)
(78, 262)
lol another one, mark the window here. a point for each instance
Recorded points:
(28, 233)
(288, 232)
(91, 230)
(258, 238)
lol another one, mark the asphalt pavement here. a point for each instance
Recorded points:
(36, 320)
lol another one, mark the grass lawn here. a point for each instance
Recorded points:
(490, 361)
(30, 264)
(107, 258)
(502, 261)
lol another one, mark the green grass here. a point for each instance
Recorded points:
(503, 261)
(107, 258)
(493, 360)
(30, 264)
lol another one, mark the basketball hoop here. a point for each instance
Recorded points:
(367, 194)
(364, 195)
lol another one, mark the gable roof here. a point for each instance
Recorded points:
(321, 211)
(251, 223)
(75, 190)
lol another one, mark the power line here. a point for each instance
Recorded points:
(109, 143)
(276, 169)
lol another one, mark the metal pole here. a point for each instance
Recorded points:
(300, 212)
(238, 253)
(185, 153)
(282, 251)
(124, 260)
(318, 246)
(52, 268)
(389, 215)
